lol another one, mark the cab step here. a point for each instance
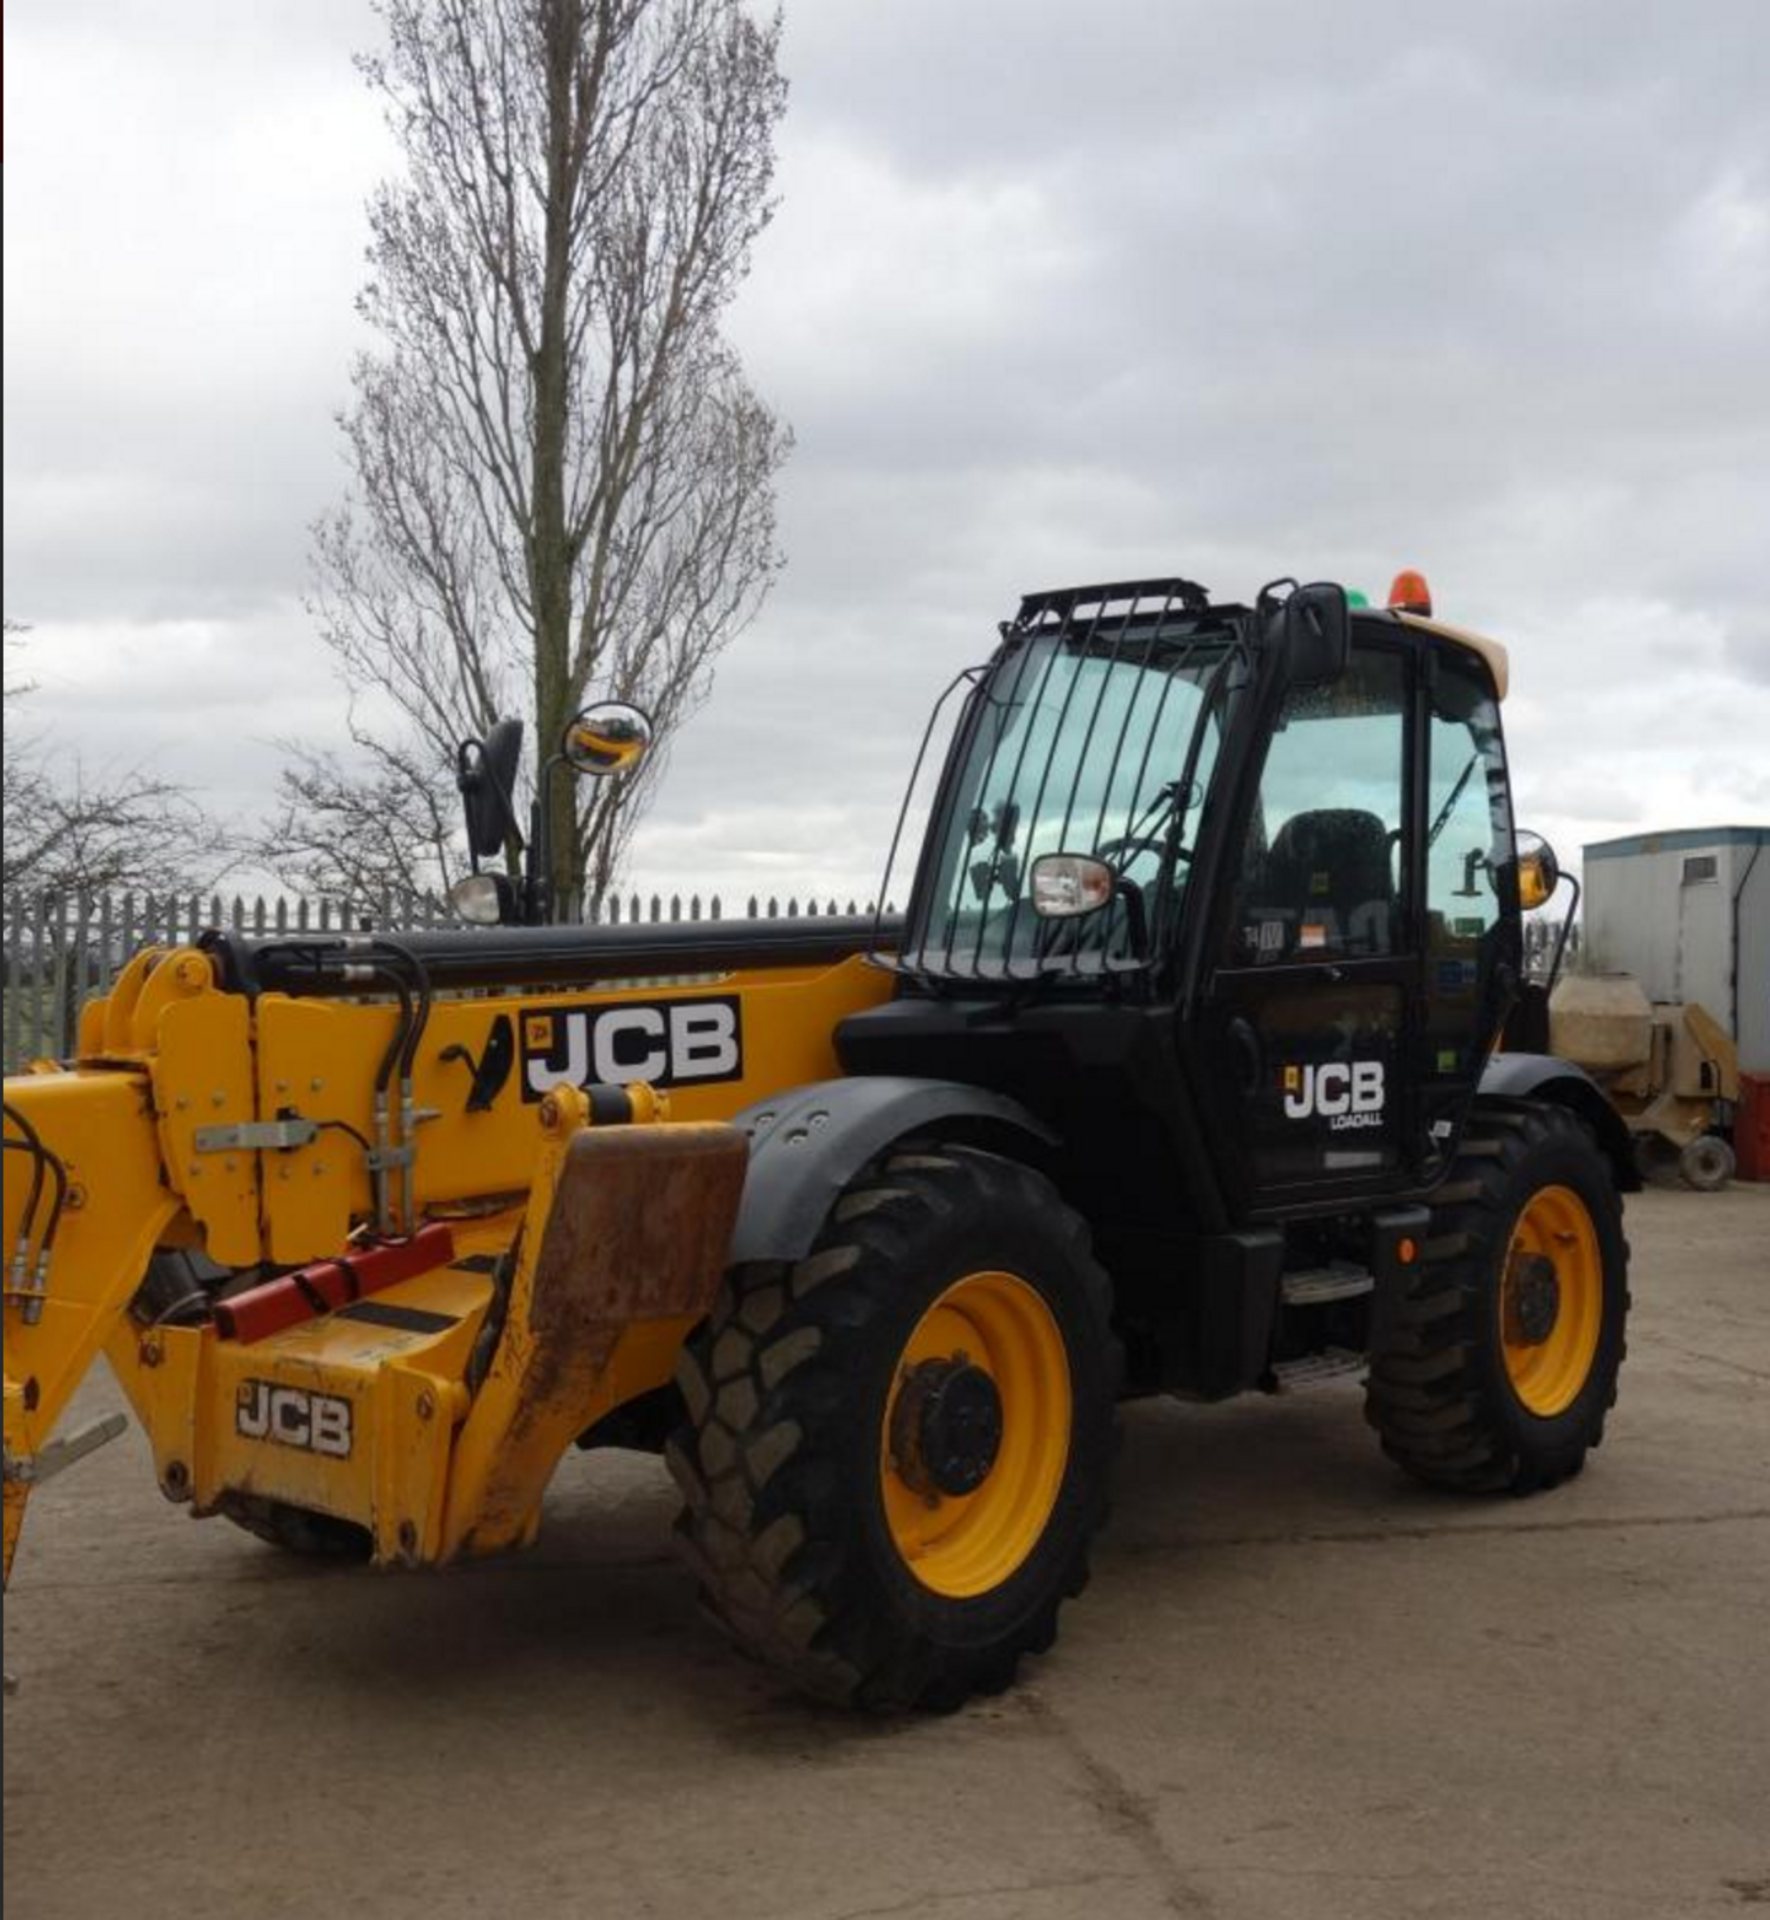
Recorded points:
(1338, 1280)
(1317, 1369)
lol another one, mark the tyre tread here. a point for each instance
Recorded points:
(1426, 1395)
(761, 1525)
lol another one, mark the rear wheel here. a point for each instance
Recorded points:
(1503, 1354)
(898, 1447)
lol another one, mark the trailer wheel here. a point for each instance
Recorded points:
(898, 1448)
(1706, 1163)
(1502, 1358)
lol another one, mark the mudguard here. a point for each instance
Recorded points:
(806, 1145)
(1539, 1076)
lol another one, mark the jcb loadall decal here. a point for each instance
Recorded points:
(1344, 1093)
(665, 1043)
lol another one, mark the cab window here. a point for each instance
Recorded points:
(1320, 867)
(1469, 830)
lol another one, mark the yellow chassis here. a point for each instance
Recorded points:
(584, 1253)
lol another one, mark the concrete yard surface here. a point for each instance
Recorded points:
(1299, 1685)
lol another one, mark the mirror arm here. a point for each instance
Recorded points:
(1136, 916)
(1566, 928)
(538, 883)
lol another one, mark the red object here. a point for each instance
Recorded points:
(1410, 594)
(328, 1284)
(1751, 1127)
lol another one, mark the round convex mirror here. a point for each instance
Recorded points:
(1539, 872)
(610, 737)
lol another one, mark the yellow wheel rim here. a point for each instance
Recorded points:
(964, 1544)
(1549, 1329)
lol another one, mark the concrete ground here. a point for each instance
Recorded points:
(1298, 1685)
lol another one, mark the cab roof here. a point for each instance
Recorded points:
(1117, 604)
(1478, 643)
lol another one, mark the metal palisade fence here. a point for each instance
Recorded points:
(61, 949)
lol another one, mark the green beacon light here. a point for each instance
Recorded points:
(1355, 599)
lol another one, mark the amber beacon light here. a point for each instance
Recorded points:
(1410, 594)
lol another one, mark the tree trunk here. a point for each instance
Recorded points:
(562, 479)
(550, 564)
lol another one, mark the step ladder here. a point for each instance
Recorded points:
(1317, 1369)
(1314, 1286)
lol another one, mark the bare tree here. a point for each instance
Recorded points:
(359, 839)
(69, 832)
(563, 482)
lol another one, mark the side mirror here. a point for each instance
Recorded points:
(1317, 634)
(1539, 872)
(610, 737)
(1065, 885)
(484, 899)
(485, 773)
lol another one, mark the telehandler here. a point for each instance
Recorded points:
(1182, 1072)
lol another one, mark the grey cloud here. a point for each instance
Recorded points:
(1234, 289)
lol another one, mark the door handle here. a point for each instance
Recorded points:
(1250, 1056)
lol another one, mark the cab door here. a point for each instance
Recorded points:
(1308, 1022)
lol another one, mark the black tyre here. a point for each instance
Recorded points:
(897, 1450)
(1706, 1163)
(316, 1536)
(1501, 1360)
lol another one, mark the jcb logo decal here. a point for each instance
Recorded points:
(1343, 1093)
(314, 1422)
(671, 1043)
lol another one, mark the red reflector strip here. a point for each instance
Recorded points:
(325, 1285)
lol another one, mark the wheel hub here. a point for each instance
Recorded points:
(946, 1427)
(1533, 1299)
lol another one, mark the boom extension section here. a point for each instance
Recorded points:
(557, 1240)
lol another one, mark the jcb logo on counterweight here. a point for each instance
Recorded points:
(666, 1043)
(314, 1422)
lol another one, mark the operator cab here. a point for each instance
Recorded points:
(1249, 872)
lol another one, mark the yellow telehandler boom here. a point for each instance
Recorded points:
(584, 1235)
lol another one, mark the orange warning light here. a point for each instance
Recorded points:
(1410, 594)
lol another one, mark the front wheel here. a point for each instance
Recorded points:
(898, 1447)
(1502, 1356)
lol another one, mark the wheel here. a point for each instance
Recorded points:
(317, 1536)
(1649, 1153)
(1502, 1357)
(1706, 1163)
(897, 1449)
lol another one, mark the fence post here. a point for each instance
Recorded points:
(15, 977)
(107, 962)
(56, 1008)
(80, 963)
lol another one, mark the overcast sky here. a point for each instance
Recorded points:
(1055, 292)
